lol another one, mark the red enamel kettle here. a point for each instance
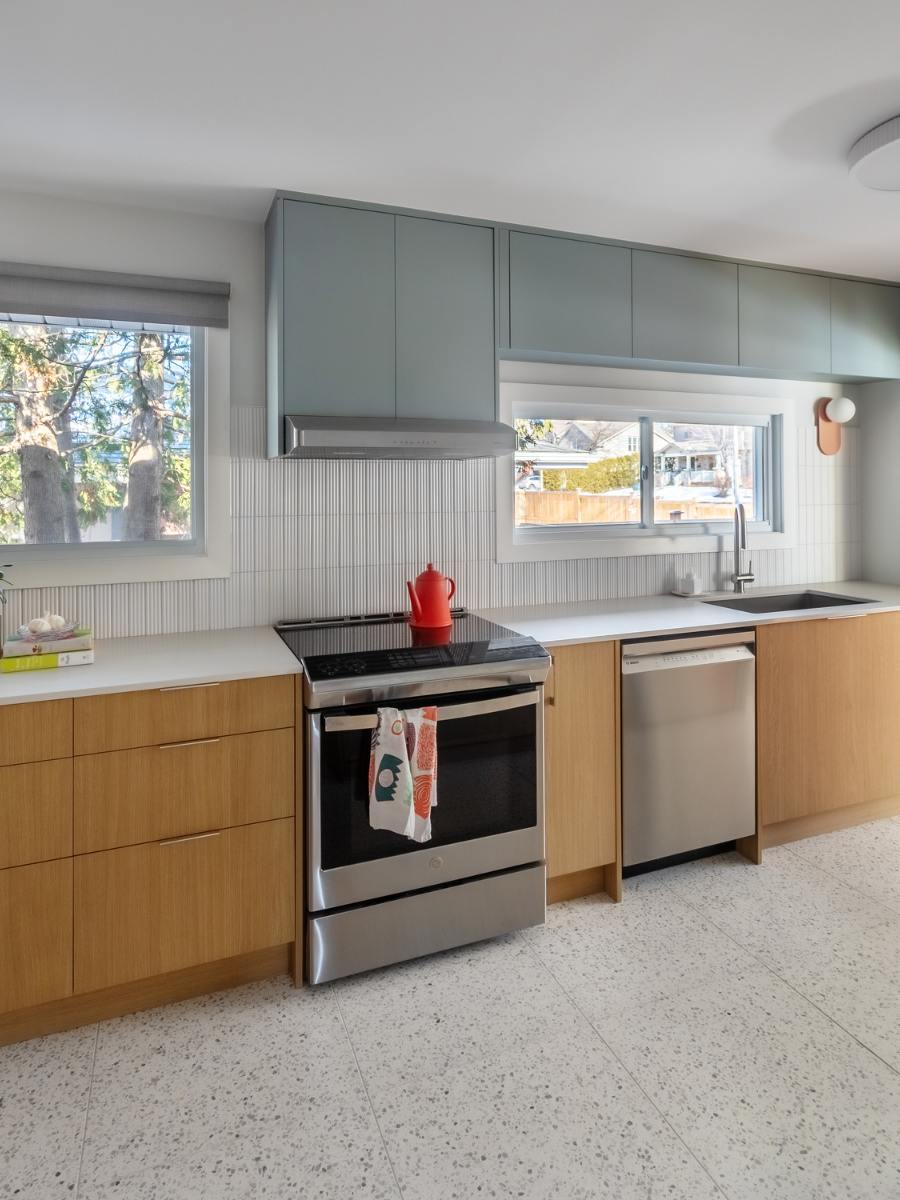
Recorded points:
(430, 599)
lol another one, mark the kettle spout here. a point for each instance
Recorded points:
(414, 602)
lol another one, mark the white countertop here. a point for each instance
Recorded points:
(172, 660)
(183, 659)
(651, 616)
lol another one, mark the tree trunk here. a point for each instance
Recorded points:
(70, 495)
(41, 466)
(143, 503)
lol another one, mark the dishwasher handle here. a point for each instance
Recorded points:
(637, 664)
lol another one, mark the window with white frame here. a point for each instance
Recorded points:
(102, 410)
(97, 433)
(599, 473)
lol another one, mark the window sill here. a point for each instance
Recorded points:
(552, 546)
(111, 565)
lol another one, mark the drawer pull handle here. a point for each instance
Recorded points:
(189, 687)
(198, 742)
(191, 837)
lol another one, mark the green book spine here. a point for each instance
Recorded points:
(45, 662)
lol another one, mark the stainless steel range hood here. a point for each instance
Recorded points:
(384, 437)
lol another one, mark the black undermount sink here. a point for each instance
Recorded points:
(786, 602)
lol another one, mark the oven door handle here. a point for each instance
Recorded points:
(453, 712)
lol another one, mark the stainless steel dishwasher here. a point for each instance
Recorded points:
(688, 744)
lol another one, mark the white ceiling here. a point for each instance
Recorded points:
(703, 124)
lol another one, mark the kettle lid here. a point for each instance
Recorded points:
(430, 572)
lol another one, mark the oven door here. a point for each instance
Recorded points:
(490, 799)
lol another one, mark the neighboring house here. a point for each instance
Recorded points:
(686, 458)
(574, 436)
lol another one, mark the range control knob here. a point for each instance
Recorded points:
(437, 862)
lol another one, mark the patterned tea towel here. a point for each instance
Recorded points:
(403, 772)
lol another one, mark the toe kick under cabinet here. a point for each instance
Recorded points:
(142, 835)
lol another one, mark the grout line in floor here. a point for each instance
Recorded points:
(662, 1116)
(87, 1111)
(787, 983)
(894, 911)
(362, 1079)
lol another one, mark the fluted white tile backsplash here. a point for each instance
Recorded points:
(323, 538)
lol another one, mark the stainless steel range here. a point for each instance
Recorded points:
(373, 897)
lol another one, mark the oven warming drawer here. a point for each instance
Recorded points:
(376, 935)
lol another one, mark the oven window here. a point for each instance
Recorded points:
(486, 785)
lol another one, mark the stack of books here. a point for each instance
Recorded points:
(43, 651)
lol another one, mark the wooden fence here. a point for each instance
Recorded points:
(582, 508)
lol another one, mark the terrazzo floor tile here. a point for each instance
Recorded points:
(433, 1014)
(856, 982)
(775, 910)
(44, 1086)
(253, 1087)
(563, 1120)
(621, 1052)
(618, 955)
(775, 1099)
(866, 858)
(342, 1157)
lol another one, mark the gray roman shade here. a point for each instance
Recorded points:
(110, 296)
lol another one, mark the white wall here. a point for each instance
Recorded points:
(324, 538)
(110, 237)
(879, 417)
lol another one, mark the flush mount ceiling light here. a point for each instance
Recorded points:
(875, 159)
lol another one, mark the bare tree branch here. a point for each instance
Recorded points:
(79, 378)
(109, 436)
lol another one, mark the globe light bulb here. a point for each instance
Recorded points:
(840, 410)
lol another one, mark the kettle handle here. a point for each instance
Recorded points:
(415, 603)
(452, 590)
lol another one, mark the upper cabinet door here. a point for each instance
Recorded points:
(784, 321)
(865, 329)
(568, 296)
(445, 320)
(685, 309)
(338, 315)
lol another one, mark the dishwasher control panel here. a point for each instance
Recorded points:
(633, 664)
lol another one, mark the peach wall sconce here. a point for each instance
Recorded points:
(831, 415)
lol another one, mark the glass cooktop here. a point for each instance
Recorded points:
(386, 644)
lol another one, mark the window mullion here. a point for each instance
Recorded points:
(647, 480)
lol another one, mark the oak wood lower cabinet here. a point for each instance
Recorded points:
(581, 737)
(35, 934)
(129, 796)
(828, 699)
(182, 714)
(144, 910)
(35, 732)
(35, 812)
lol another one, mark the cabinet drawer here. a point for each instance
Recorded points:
(35, 934)
(35, 812)
(183, 714)
(142, 795)
(145, 910)
(35, 732)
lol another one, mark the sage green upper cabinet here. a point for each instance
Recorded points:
(445, 319)
(685, 309)
(865, 329)
(568, 296)
(337, 338)
(784, 321)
